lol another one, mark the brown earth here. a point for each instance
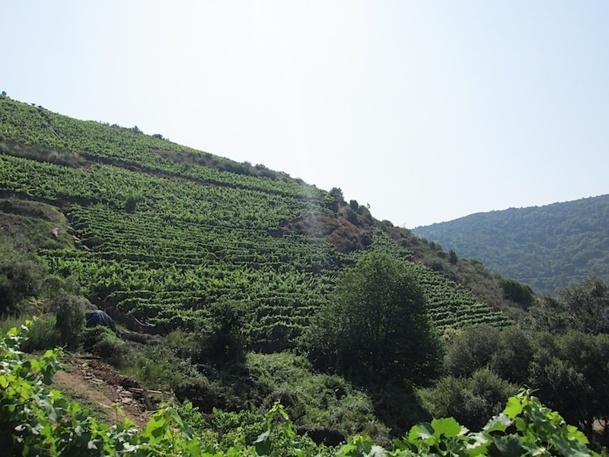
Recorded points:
(108, 394)
(34, 224)
(337, 230)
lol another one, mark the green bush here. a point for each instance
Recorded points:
(42, 334)
(337, 194)
(13, 320)
(20, 277)
(70, 311)
(314, 401)
(54, 286)
(103, 342)
(517, 292)
(374, 328)
(570, 373)
(351, 215)
(472, 401)
(206, 395)
(132, 201)
(221, 341)
(513, 355)
(452, 257)
(182, 343)
(157, 366)
(507, 352)
(471, 350)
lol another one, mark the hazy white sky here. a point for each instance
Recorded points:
(426, 110)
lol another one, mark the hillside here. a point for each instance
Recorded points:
(236, 287)
(213, 270)
(546, 247)
(162, 231)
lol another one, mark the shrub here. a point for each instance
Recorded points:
(351, 215)
(337, 194)
(472, 401)
(20, 277)
(157, 366)
(42, 334)
(132, 200)
(70, 311)
(517, 292)
(452, 257)
(513, 355)
(471, 350)
(102, 341)
(221, 341)
(204, 394)
(54, 286)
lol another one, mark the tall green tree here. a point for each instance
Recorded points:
(375, 326)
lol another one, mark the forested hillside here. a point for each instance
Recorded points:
(234, 287)
(546, 247)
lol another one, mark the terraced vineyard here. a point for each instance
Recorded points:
(163, 235)
(451, 305)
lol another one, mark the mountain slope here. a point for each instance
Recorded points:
(163, 232)
(547, 247)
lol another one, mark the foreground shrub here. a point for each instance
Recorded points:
(472, 401)
(157, 366)
(42, 334)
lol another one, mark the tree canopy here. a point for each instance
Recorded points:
(375, 326)
(546, 247)
(584, 307)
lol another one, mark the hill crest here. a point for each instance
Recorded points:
(547, 247)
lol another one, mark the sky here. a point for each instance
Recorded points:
(426, 110)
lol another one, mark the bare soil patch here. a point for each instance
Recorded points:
(108, 394)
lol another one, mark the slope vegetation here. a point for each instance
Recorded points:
(547, 247)
(163, 231)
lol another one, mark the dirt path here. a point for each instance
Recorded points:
(99, 388)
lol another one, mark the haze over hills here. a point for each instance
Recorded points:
(547, 247)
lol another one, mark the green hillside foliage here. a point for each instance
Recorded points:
(584, 308)
(163, 232)
(546, 247)
(38, 420)
(484, 365)
(374, 328)
(236, 288)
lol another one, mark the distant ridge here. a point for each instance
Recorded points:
(547, 247)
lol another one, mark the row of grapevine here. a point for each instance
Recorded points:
(449, 304)
(452, 305)
(164, 240)
(26, 124)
